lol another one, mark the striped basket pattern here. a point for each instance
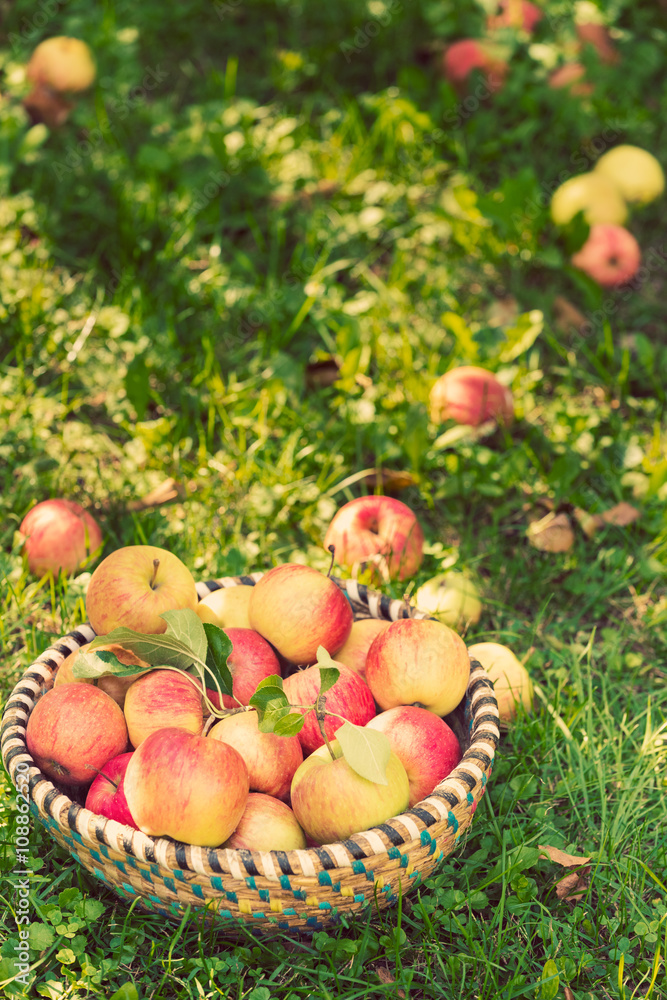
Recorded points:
(297, 891)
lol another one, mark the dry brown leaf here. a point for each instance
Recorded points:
(574, 886)
(568, 317)
(503, 312)
(322, 373)
(167, 491)
(561, 858)
(552, 533)
(385, 976)
(569, 995)
(390, 480)
(623, 513)
(589, 523)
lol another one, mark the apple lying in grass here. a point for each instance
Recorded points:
(597, 35)
(162, 699)
(635, 172)
(59, 536)
(350, 697)
(355, 650)
(418, 661)
(134, 585)
(610, 255)
(512, 685)
(470, 395)
(73, 731)
(572, 75)
(523, 15)
(377, 529)
(58, 68)
(185, 786)
(452, 598)
(116, 686)
(267, 824)
(297, 609)
(331, 801)
(106, 795)
(423, 742)
(271, 759)
(227, 607)
(593, 194)
(468, 54)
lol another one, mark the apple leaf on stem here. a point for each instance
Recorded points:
(186, 625)
(289, 725)
(367, 751)
(329, 672)
(158, 650)
(273, 709)
(216, 654)
(103, 662)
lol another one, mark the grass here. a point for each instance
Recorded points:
(278, 184)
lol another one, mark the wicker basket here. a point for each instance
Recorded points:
(294, 891)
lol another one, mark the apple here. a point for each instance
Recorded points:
(271, 759)
(423, 742)
(523, 15)
(468, 54)
(185, 786)
(571, 74)
(297, 609)
(597, 35)
(349, 697)
(376, 528)
(267, 824)
(331, 801)
(635, 172)
(73, 731)
(59, 535)
(64, 64)
(162, 699)
(134, 585)
(511, 682)
(470, 395)
(250, 661)
(593, 194)
(106, 795)
(610, 255)
(451, 598)
(355, 650)
(114, 685)
(227, 607)
(418, 661)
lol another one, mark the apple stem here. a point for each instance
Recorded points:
(320, 715)
(156, 565)
(332, 550)
(97, 771)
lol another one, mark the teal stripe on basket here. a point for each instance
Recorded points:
(178, 875)
(425, 837)
(105, 851)
(358, 867)
(289, 911)
(231, 896)
(359, 897)
(370, 876)
(216, 883)
(264, 895)
(120, 866)
(284, 882)
(324, 878)
(325, 906)
(197, 890)
(250, 882)
(259, 915)
(170, 884)
(146, 876)
(453, 822)
(470, 797)
(128, 889)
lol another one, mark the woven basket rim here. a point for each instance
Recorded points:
(401, 830)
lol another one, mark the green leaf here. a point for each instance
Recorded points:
(289, 725)
(269, 694)
(68, 896)
(522, 335)
(66, 956)
(158, 650)
(128, 991)
(137, 386)
(269, 720)
(219, 648)
(41, 936)
(103, 662)
(328, 677)
(367, 751)
(89, 909)
(186, 626)
(550, 980)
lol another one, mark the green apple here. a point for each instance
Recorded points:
(451, 598)
(594, 194)
(635, 172)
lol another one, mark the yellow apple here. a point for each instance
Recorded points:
(635, 172)
(227, 607)
(511, 682)
(594, 194)
(451, 598)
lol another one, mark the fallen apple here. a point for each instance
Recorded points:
(349, 698)
(596, 196)
(106, 795)
(377, 529)
(572, 75)
(512, 685)
(162, 699)
(267, 824)
(461, 58)
(452, 598)
(523, 15)
(470, 395)
(227, 607)
(635, 172)
(610, 255)
(59, 535)
(185, 786)
(271, 759)
(134, 585)
(64, 64)
(331, 801)
(73, 731)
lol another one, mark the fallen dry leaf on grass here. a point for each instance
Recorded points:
(552, 533)
(561, 858)
(390, 480)
(621, 515)
(385, 977)
(575, 885)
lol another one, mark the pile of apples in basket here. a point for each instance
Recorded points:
(261, 717)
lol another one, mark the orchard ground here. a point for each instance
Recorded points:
(253, 197)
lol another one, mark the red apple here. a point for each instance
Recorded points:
(418, 661)
(571, 74)
(106, 795)
(74, 730)
(598, 36)
(331, 801)
(297, 609)
(423, 742)
(59, 535)
(470, 395)
(134, 585)
(469, 54)
(355, 650)
(114, 685)
(349, 697)
(376, 528)
(267, 824)
(523, 15)
(271, 759)
(162, 699)
(187, 787)
(610, 255)
(251, 660)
